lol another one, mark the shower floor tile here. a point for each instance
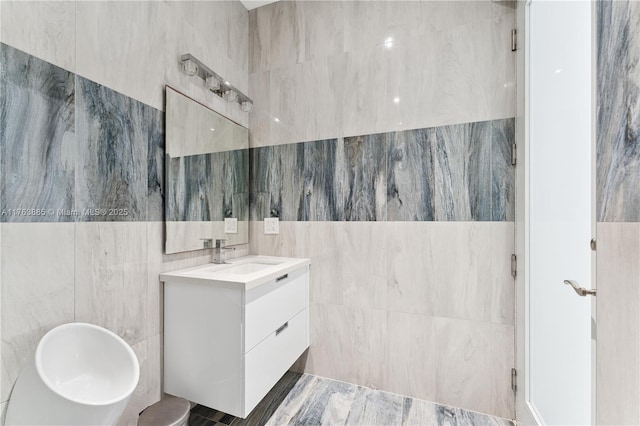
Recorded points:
(302, 399)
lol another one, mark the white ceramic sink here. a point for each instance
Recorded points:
(248, 271)
(247, 268)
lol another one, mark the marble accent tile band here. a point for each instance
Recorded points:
(73, 150)
(459, 172)
(618, 111)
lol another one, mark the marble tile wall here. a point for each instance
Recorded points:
(618, 111)
(460, 172)
(381, 137)
(327, 70)
(618, 212)
(430, 301)
(90, 78)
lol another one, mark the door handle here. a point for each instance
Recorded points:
(580, 290)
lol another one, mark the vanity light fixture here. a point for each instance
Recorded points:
(214, 82)
(231, 96)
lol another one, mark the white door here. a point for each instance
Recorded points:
(554, 234)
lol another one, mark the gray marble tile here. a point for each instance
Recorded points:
(112, 163)
(371, 407)
(328, 398)
(302, 389)
(321, 201)
(363, 176)
(303, 399)
(231, 170)
(417, 413)
(460, 172)
(277, 172)
(189, 191)
(37, 138)
(410, 186)
(618, 106)
(155, 165)
(441, 173)
(502, 172)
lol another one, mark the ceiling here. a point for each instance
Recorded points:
(253, 4)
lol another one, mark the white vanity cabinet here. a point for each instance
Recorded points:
(232, 331)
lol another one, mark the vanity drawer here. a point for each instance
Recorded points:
(270, 305)
(266, 363)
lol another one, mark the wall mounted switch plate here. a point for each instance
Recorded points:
(230, 225)
(271, 225)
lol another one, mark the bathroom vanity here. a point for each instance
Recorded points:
(232, 330)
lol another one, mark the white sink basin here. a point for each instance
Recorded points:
(247, 268)
(248, 271)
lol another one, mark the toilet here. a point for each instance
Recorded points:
(81, 374)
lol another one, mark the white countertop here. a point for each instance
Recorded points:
(233, 275)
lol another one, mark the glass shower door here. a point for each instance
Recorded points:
(560, 211)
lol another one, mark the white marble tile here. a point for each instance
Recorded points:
(111, 277)
(369, 24)
(502, 285)
(323, 28)
(148, 390)
(113, 45)
(155, 250)
(409, 250)
(349, 264)
(459, 271)
(238, 43)
(502, 361)
(37, 289)
(45, 29)
(618, 324)
(347, 344)
(286, 33)
(365, 97)
(411, 355)
(259, 39)
(1, 340)
(260, 117)
(463, 357)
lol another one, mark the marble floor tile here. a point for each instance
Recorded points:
(303, 399)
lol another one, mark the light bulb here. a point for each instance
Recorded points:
(213, 83)
(246, 106)
(190, 68)
(231, 96)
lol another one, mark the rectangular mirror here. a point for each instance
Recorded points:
(207, 176)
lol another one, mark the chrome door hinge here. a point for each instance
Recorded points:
(514, 154)
(514, 40)
(593, 244)
(514, 265)
(514, 377)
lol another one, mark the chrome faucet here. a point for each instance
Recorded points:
(218, 251)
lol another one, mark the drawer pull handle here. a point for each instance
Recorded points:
(285, 276)
(282, 328)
